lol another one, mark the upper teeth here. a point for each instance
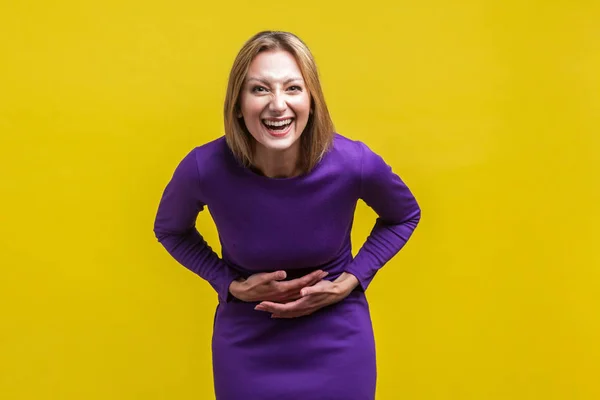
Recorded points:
(278, 123)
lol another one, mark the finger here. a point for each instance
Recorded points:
(289, 298)
(316, 289)
(315, 277)
(322, 287)
(307, 291)
(306, 280)
(273, 276)
(272, 307)
(278, 308)
(318, 278)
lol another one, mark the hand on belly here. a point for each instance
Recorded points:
(270, 286)
(314, 297)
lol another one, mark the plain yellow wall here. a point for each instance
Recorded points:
(488, 109)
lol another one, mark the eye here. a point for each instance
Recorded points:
(259, 89)
(295, 88)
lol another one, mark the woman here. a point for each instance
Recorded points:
(292, 320)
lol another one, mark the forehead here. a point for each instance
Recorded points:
(274, 65)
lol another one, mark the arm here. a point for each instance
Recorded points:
(175, 228)
(398, 216)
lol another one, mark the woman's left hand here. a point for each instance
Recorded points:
(313, 298)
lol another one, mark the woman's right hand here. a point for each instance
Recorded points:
(270, 286)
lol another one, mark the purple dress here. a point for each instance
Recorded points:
(296, 224)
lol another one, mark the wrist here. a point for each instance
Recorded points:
(235, 287)
(347, 282)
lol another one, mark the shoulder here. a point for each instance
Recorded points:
(349, 148)
(363, 164)
(352, 154)
(201, 162)
(345, 152)
(207, 157)
(208, 152)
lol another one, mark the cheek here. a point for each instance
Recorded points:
(301, 105)
(251, 107)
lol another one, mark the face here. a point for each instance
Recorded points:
(274, 101)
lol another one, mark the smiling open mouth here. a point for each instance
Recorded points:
(278, 125)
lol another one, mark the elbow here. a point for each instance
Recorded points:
(416, 216)
(163, 228)
(169, 236)
(407, 219)
(161, 232)
(413, 219)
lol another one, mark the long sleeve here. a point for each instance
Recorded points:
(398, 216)
(175, 228)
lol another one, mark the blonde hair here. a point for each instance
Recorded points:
(318, 134)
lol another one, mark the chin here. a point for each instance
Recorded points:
(279, 144)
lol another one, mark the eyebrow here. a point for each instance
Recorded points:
(266, 82)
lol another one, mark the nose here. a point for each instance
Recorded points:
(278, 103)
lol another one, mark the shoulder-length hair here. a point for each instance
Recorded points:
(318, 134)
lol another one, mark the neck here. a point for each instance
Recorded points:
(278, 164)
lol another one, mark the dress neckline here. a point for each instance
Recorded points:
(262, 178)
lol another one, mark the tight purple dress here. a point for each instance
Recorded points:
(296, 224)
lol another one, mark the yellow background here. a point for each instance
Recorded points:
(488, 109)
